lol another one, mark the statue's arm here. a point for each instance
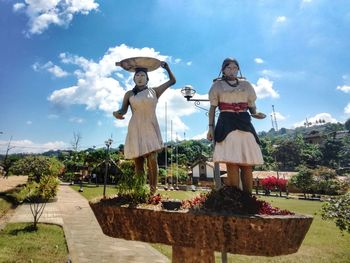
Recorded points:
(211, 115)
(159, 90)
(119, 114)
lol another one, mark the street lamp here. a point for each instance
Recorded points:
(188, 93)
(108, 144)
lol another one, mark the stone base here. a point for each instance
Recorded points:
(249, 235)
(192, 255)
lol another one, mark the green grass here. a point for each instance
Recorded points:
(90, 191)
(4, 206)
(323, 243)
(18, 243)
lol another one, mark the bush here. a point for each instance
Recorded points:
(338, 209)
(43, 191)
(132, 188)
(37, 166)
(271, 183)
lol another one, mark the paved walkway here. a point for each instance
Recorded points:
(85, 239)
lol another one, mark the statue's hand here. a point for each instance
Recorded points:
(259, 115)
(210, 134)
(164, 65)
(118, 115)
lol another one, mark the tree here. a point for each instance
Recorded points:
(347, 124)
(303, 180)
(311, 154)
(331, 149)
(37, 166)
(76, 141)
(288, 153)
(39, 194)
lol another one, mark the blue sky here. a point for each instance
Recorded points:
(57, 73)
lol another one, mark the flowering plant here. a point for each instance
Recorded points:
(272, 182)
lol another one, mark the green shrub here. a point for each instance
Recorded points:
(338, 209)
(130, 186)
(43, 191)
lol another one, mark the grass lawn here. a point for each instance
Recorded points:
(18, 243)
(4, 206)
(323, 242)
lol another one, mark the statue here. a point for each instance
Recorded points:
(236, 141)
(143, 139)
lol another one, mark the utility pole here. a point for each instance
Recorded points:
(274, 118)
(108, 143)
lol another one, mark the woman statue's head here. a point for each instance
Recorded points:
(141, 77)
(230, 68)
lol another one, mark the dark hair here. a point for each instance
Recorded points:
(227, 61)
(144, 70)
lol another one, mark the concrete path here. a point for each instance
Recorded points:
(85, 240)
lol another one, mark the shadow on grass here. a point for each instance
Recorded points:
(10, 195)
(26, 229)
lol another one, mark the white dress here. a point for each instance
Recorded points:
(239, 147)
(143, 131)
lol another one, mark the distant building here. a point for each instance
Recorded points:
(337, 135)
(202, 171)
(314, 137)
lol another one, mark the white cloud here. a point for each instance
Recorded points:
(279, 116)
(270, 73)
(52, 68)
(99, 87)
(43, 13)
(264, 88)
(189, 63)
(324, 116)
(258, 60)
(29, 122)
(18, 6)
(99, 123)
(200, 136)
(177, 60)
(27, 146)
(344, 88)
(281, 19)
(347, 109)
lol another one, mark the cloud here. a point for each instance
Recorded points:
(279, 116)
(29, 122)
(27, 146)
(258, 60)
(43, 13)
(281, 19)
(264, 88)
(177, 60)
(99, 123)
(347, 109)
(100, 85)
(324, 116)
(52, 68)
(18, 6)
(200, 136)
(189, 63)
(344, 88)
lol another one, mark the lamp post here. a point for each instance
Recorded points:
(188, 92)
(108, 144)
